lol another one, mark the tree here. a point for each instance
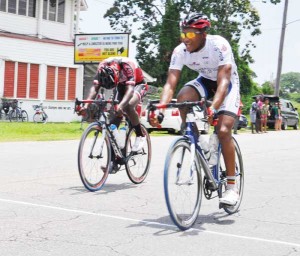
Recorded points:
(268, 88)
(290, 82)
(158, 22)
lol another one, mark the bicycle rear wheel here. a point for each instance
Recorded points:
(182, 183)
(239, 173)
(94, 156)
(137, 166)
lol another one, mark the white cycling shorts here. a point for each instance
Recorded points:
(231, 102)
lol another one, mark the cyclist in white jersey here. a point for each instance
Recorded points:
(218, 80)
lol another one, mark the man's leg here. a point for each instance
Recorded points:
(187, 93)
(224, 128)
(135, 121)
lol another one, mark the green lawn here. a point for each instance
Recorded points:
(39, 132)
(45, 132)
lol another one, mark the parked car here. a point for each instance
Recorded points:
(243, 122)
(172, 120)
(290, 116)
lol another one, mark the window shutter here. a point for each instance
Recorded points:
(9, 79)
(34, 81)
(61, 89)
(22, 80)
(72, 84)
(50, 83)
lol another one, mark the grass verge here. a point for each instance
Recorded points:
(10, 132)
(39, 132)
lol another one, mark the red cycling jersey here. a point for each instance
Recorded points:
(130, 72)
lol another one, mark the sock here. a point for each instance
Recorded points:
(138, 130)
(230, 182)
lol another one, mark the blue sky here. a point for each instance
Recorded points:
(266, 52)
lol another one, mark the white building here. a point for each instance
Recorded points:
(37, 55)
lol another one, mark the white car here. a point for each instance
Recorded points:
(172, 120)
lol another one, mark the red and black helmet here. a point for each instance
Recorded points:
(108, 76)
(195, 20)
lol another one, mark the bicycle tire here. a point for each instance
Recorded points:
(13, 115)
(37, 118)
(40, 118)
(183, 195)
(24, 116)
(94, 157)
(138, 164)
(239, 173)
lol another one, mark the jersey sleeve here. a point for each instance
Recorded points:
(129, 72)
(223, 52)
(177, 59)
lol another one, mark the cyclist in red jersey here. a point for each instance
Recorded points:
(126, 76)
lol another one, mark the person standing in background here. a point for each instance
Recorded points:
(253, 110)
(265, 113)
(279, 116)
(237, 120)
(275, 110)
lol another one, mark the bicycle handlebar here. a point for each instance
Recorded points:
(154, 106)
(99, 102)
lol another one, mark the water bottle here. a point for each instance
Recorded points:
(122, 136)
(115, 132)
(213, 145)
(205, 147)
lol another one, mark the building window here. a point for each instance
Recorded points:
(19, 7)
(21, 80)
(61, 83)
(3, 5)
(54, 10)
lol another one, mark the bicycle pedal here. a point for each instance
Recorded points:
(222, 205)
(114, 169)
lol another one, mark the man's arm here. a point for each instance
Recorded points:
(170, 86)
(223, 81)
(92, 94)
(167, 94)
(129, 90)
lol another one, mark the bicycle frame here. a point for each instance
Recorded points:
(195, 147)
(212, 175)
(103, 123)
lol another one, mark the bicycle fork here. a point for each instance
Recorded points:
(192, 169)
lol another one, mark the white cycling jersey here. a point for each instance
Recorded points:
(216, 52)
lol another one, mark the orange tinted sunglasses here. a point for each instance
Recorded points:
(189, 35)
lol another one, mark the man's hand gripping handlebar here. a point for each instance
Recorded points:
(155, 119)
(81, 110)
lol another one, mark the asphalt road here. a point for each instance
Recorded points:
(45, 210)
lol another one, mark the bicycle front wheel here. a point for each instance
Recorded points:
(138, 164)
(94, 156)
(182, 183)
(37, 118)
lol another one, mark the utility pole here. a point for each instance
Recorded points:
(279, 65)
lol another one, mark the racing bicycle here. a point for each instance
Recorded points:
(188, 174)
(100, 155)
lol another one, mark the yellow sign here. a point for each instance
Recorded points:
(93, 48)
